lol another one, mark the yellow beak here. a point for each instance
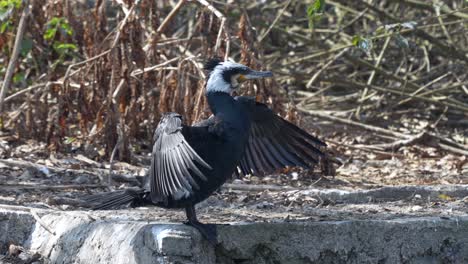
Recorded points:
(241, 78)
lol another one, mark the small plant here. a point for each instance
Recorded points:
(315, 11)
(7, 7)
(57, 24)
(59, 28)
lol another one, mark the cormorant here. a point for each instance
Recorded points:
(189, 163)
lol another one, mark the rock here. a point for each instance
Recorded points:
(82, 179)
(27, 175)
(83, 237)
(171, 241)
(265, 205)
(14, 250)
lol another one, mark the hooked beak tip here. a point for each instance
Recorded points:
(258, 74)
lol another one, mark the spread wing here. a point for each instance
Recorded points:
(275, 143)
(174, 162)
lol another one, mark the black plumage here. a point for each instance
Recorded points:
(190, 162)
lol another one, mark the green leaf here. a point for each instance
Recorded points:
(57, 24)
(356, 40)
(317, 7)
(5, 26)
(310, 11)
(18, 77)
(66, 28)
(6, 4)
(5, 13)
(65, 46)
(54, 21)
(64, 49)
(314, 12)
(69, 140)
(16, 3)
(50, 33)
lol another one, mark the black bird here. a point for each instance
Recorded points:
(190, 162)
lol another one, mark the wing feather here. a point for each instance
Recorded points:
(185, 171)
(175, 166)
(190, 165)
(170, 168)
(244, 167)
(275, 143)
(250, 160)
(263, 165)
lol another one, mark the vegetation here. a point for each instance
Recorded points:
(95, 76)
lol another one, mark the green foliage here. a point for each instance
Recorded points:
(315, 11)
(57, 24)
(7, 6)
(64, 48)
(356, 40)
(5, 26)
(69, 140)
(59, 27)
(19, 77)
(6, 9)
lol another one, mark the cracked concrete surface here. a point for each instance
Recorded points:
(133, 236)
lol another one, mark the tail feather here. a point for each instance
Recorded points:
(119, 199)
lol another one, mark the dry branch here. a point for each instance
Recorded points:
(14, 56)
(371, 128)
(170, 16)
(274, 21)
(404, 139)
(456, 105)
(394, 146)
(100, 173)
(158, 48)
(152, 68)
(222, 27)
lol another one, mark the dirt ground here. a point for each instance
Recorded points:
(31, 177)
(385, 185)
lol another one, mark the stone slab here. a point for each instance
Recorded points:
(87, 237)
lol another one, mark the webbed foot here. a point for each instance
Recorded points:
(208, 231)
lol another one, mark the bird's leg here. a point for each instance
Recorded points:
(207, 230)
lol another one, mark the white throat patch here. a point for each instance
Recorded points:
(216, 82)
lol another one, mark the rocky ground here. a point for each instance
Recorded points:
(415, 181)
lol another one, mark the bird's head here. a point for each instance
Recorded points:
(226, 76)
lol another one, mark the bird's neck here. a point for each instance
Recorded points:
(232, 120)
(220, 102)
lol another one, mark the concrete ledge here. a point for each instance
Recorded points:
(390, 193)
(81, 237)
